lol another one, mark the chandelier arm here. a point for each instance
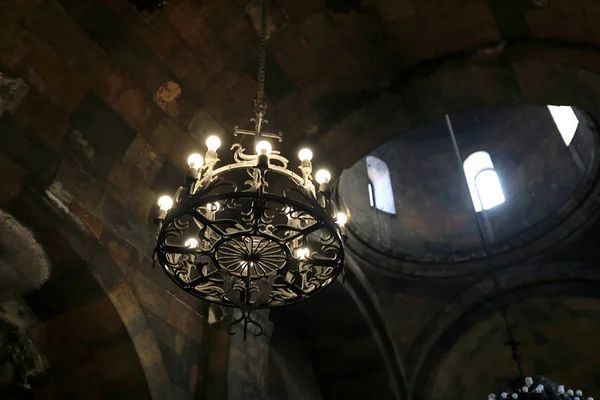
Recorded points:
(206, 221)
(181, 249)
(303, 232)
(293, 288)
(197, 281)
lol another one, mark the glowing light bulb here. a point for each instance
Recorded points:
(263, 147)
(195, 161)
(305, 155)
(341, 219)
(302, 253)
(165, 203)
(191, 243)
(323, 176)
(213, 143)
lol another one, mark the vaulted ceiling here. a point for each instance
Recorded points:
(100, 105)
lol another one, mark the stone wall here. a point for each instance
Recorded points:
(291, 375)
(480, 360)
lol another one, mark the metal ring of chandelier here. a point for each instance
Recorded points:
(241, 236)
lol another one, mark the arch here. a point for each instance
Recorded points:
(482, 179)
(82, 263)
(482, 300)
(381, 194)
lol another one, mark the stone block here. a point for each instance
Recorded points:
(132, 188)
(98, 320)
(28, 151)
(92, 222)
(203, 125)
(98, 136)
(184, 62)
(139, 113)
(98, 20)
(58, 339)
(216, 387)
(14, 45)
(178, 368)
(180, 393)
(159, 36)
(194, 375)
(163, 136)
(126, 304)
(158, 380)
(298, 11)
(84, 375)
(547, 23)
(124, 255)
(216, 58)
(106, 271)
(297, 59)
(186, 320)
(188, 22)
(49, 121)
(135, 57)
(88, 190)
(106, 80)
(116, 361)
(180, 150)
(165, 334)
(59, 31)
(151, 296)
(168, 179)
(147, 349)
(117, 216)
(49, 74)
(131, 386)
(58, 296)
(11, 180)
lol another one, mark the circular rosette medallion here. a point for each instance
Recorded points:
(255, 255)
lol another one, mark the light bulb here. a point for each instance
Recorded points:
(165, 203)
(191, 243)
(195, 161)
(263, 147)
(302, 253)
(323, 176)
(341, 219)
(305, 155)
(213, 143)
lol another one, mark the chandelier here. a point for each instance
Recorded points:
(251, 234)
(528, 388)
(536, 388)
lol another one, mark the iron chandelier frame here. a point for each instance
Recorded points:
(251, 234)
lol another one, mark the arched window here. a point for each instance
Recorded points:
(566, 121)
(381, 195)
(484, 185)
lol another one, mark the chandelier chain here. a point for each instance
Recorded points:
(262, 56)
(512, 342)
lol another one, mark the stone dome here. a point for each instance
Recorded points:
(429, 225)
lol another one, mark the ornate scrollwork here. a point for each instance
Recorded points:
(252, 247)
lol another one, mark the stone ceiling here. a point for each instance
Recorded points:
(108, 102)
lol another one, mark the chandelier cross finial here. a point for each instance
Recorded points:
(260, 107)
